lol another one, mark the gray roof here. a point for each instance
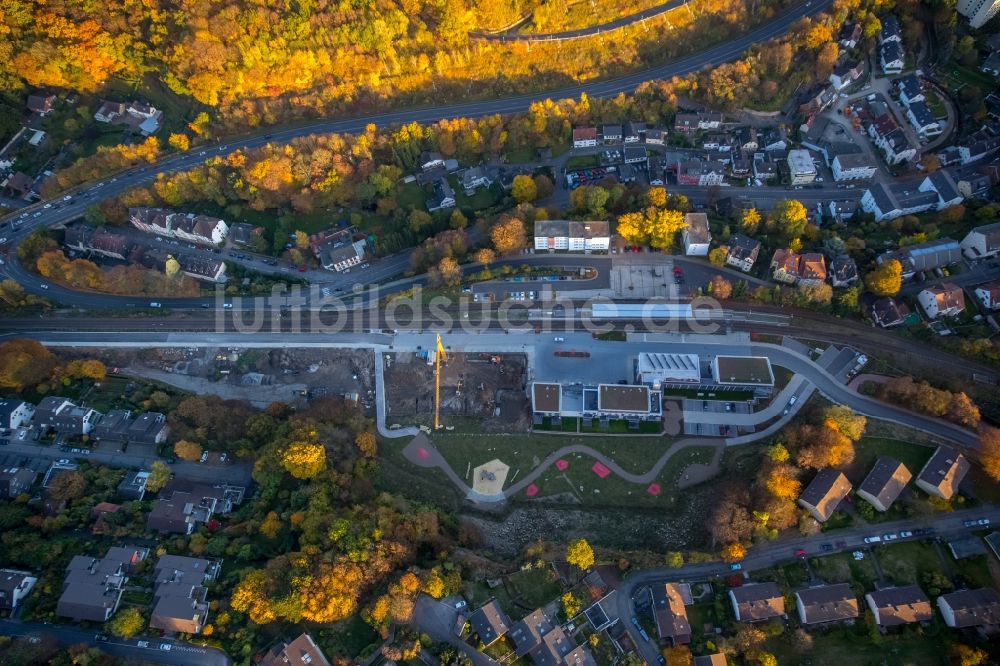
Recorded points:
(992, 234)
(697, 227)
(853, 160)
(909, 84)
(489, 622)
(922, 113)
(828, 603)
(974, 608)
(887, 480)
(945, 185)
(826, 491)
(925, 256)
(968, 546)
(945, 470)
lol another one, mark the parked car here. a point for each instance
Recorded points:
(735, 566)
(983, 521)
(891, 536)
(204, 457)
(905, 534)
(873, 539)
(826, 547)
(969, 523)
(800, 552)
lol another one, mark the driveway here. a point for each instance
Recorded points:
(437, 620)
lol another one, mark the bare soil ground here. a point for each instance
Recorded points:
(490, 388)
(260, 376)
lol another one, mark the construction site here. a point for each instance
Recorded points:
(487, 387)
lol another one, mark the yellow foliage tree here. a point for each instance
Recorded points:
(249, 597)
(186, 450)
(524, 189)
(989, 451)
(179, 141)
(172, 267)
(886, 279)
(271, 525)
(781, 482)
(580, 554)
(657, 196)
(304, 460)
(508, 235)
(484, 256)
(433, 585)
(367, 444)
(733, 552)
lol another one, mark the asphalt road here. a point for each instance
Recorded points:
(61, 211)
(949, 524)
(179, 654)
(544, 364)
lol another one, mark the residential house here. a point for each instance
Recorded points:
(572, 235)
(843, 210)
(489, 622)
(942, 300)
(133, 485)
(801, 168)
(241, 233)
(626, 172)
(342, 258)
(852, 166)
(584, 137)
(973, 184)
(41, 104)
(655, 137)
(894, 606)
(920, 116)
(943, 473)
(982, 242)
(443, 196)
(910, 89)
(764, 169)
(546, 643)
(183, 504)
(148, 428)
(611, 133)
(812, 269)
(845, 74)
(888, 312)
(689, 123)
(785, 266)
(64, 416)
(302, 651)
(15, 481)
(17, 185)
(656, 172)
(670, 613)
(757, 602)
(824, 493)
(743, 252)
(746, 139)
(893, 142)
(770, 140)
(696, 234)
(740, 166)
(850, 34)
(14, 413)
(979, 149)
(429, 160)
(704, 173)
(179, 593)
(887, 202)
(890, 30)
(475, 177)
(184, 226)
(978, 11)
(634, 131)
(891, 58)
(15, 585)
(970, 608)
(989, 295)
(884, 483)
(112, 425)
(99, 514)
(943, 184)
(92, 588)
(826, 603)
(109, 111)
(843, 271)
(927, 256)
(635, 154)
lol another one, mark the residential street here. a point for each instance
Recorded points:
(178, 654)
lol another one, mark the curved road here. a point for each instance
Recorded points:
(590, 31)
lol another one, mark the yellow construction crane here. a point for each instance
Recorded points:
(438, 357)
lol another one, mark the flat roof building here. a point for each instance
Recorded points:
(657, 369)
(742, 370)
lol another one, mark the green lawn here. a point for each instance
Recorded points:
(843, 568)
(534, 587)
(969, 75)
(866, 451)
(410, 196)
(583, 162)
(481, 199)
(479, 593)
(907, 563)
(841, 646)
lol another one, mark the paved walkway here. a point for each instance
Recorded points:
(421, 452)
(867, 377)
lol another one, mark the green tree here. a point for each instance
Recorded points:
(580, 554)
(717, 256)
(792, 217)
(127, 622)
